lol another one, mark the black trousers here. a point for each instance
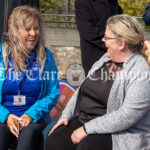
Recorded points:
(28, 138)
(60, 139)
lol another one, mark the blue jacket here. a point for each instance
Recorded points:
(49, 90)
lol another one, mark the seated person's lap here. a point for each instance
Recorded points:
(63, 142)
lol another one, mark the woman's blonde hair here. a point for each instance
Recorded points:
(128, 28)
(20, 18)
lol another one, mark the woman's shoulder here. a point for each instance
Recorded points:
(136, 60)
(1, 43)
(3, 47)
(142, 63)
(48, 52)
(138, 64)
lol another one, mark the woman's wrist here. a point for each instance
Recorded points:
(84, 129)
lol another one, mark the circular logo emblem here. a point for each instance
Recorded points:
(75, 74)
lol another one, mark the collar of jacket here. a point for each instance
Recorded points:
(129, 62)
(4, 54)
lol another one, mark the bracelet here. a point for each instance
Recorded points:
(84, 129)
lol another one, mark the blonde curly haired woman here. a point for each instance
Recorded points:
(28, 82)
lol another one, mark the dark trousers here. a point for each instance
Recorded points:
(60, 139)
(28, 139)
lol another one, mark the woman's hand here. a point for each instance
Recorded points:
(12, 122)
(25, 120)
(62, 121)
(78, 135)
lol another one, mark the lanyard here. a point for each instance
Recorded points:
(20, 84)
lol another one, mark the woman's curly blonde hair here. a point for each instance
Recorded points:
(21, 17)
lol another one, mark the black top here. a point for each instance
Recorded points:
(94, 92)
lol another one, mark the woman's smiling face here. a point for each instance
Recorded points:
(112, 44)
(30, 35)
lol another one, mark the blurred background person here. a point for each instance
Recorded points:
(146, 16)
(91, 16)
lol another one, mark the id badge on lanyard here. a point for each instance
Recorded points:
(19, 100)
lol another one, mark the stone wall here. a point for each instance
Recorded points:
(65, 46)
(64, 43)
(64, 57)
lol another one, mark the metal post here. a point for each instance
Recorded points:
(69, 6)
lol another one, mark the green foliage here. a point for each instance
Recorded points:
(133, 7)
(51, 6)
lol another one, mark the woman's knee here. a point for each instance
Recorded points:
(4, 130)
(95, 142)
(5, 136)
(51, 143)
(31, 132)
(83, 145)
